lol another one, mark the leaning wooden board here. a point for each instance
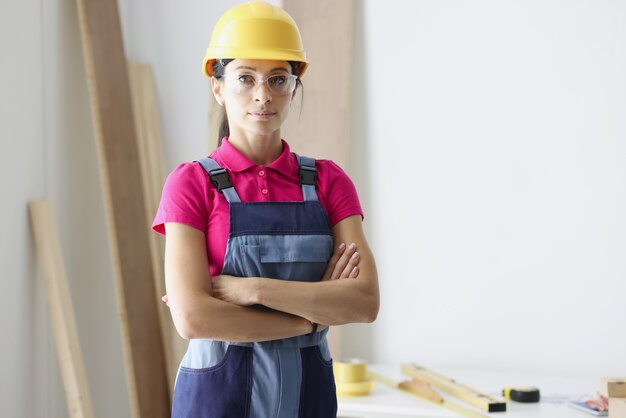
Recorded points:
(48, 246)
(152, 165)
(321, 127)
(124, 207)
(322, 130)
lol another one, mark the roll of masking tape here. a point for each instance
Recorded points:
(351, 377)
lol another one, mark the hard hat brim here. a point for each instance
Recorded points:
(207, 65)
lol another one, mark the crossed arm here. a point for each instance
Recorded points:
(217, 308)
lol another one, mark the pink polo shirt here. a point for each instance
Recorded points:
(190, 197)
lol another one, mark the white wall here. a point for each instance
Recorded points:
(491, 144)
(488, 150)
(24, 367)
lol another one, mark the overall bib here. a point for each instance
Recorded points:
(284, 378)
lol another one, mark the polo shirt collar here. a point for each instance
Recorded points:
(286, 163)
(234, 160)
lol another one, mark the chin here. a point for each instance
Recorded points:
(263, 128)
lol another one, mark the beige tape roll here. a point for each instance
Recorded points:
(351, 377)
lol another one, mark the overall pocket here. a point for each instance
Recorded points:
(223, 390)
(318, 395)
(295, 257)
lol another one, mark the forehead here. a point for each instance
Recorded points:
(261, 66)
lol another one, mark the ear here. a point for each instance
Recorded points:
(216, 87)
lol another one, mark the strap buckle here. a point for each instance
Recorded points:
(308, 175)
(221, 179)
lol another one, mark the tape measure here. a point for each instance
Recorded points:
(522, 394)
(351, 378)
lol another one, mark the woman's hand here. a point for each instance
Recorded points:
(237, 290)
(344, 263)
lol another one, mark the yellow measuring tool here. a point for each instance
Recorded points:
(468, 394)
(423, 391)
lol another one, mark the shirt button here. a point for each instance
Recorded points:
(264, 191)
(261, 173)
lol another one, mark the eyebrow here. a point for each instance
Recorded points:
(243, 67)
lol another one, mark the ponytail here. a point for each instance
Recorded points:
(224, 128)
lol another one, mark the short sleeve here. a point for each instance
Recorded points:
(184, 198)
(339, 194)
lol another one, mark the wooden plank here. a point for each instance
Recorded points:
(616, 388)
(320, 127)
(62, 316)
(124, 207)
(152, 164)
(617, 407)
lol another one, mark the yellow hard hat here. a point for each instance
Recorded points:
(255, 30)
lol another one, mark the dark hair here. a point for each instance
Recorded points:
(218, 72)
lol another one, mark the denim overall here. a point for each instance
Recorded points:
(284, 378)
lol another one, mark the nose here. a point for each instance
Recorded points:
(262, 93)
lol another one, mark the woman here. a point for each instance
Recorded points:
(265, 222)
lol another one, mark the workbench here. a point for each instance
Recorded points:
(387, 402)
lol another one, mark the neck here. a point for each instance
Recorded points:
(259, 148)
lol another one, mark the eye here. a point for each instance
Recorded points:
(246, 79)
(277, 80)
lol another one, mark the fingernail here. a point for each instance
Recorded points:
(342, 246)
(352, 246)
(355, 255)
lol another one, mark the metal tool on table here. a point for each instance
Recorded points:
(522, 394)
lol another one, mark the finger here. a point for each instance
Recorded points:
(164, 298)
(333, 261)
(344, 260)
(354, 273)
(321, 327)
(352, 263)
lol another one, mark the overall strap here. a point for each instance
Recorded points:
(308, 176)
(220, 178)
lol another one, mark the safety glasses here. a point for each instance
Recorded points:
(245, 82)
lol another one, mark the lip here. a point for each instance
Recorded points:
(263, 114)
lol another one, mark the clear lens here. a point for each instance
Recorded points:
(278, 84)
